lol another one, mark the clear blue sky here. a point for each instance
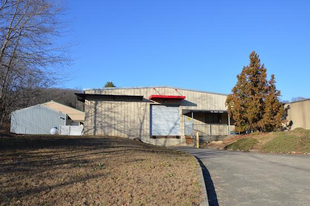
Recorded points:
(199, 44)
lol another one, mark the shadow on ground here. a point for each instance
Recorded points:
(212, 197)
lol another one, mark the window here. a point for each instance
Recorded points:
(217, 118)
(213, 118)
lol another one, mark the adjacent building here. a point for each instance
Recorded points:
(41, 118)
(156, 115)
(299, 114)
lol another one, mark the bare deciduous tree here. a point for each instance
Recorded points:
(28, 30)
(63, 96)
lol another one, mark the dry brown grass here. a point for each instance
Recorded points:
(45, 170)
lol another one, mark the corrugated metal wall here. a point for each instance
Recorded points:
(194, 99)
(299, 114)
(117, 118)
(132, 119)
(36, 120)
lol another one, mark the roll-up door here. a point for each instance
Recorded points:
(165, 120)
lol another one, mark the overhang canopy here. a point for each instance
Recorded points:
(186, 111)
(108, 97)
(172, 97)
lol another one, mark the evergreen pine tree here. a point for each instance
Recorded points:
(109, 84)
(254, 103)
(236, 102)
(256, 92)
(274, 109)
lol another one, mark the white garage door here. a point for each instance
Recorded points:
(165, 120)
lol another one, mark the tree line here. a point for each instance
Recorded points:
(29, 54)
(60, 95)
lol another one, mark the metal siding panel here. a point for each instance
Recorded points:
(123, 114)
(125, 119)
(299, 113)
(112, 119)
(143, 114)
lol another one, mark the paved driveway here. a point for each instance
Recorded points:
(237, 178)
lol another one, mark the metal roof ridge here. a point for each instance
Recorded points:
(63, 105)
(40, 105)
(298, 101)
(145, 87)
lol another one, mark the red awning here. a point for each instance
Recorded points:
(167, 97)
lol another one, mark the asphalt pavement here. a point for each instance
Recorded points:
(239, 178)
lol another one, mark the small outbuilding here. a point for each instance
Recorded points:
(41, 118)
(155, 115)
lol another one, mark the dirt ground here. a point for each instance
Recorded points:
(49, 170)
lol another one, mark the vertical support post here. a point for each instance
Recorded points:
(228, 124)
(192, 124)
(210, 129)
(197, 140)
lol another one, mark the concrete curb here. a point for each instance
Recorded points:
(204, 193)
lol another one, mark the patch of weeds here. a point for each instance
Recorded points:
(166, 164)
(244, 144)
(306, 148)
(139, 202)
(99, 166)
(81, 165)
(115, 178)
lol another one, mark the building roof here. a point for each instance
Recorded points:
(74, 114)
(302, 100)
(149, 87)
(81, 97)
(116, 88)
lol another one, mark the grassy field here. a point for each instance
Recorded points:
(289, 142)
(296, 141)
(244, 144)
(46, 170)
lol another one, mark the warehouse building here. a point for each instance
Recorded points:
(299, 114)
(41, 118)
(160, 116)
